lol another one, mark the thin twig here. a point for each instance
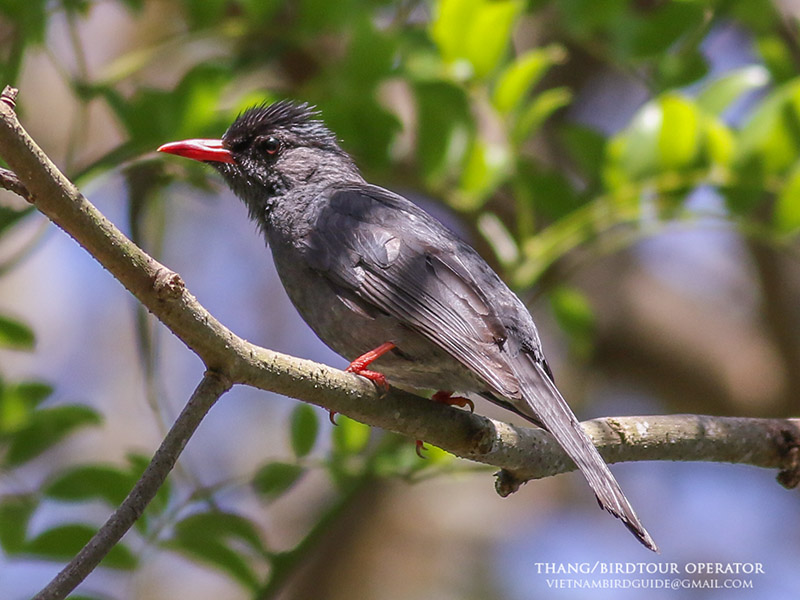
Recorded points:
(211, 387)
(10, 182)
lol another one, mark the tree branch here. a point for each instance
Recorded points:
(211, 387)
(526, 452)
(522, 453)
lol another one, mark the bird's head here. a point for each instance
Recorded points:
(271, 150)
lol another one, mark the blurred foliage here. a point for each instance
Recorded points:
(464, 100)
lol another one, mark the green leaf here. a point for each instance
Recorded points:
(80, 7)
(451, 24)
(474, 33)
(216, 554)
(666, 134)
(519, 78)
(205, 13)
(485, 167)
(46, 428)
(787, 208)
(261, 11)
(15, 335)
(574, 314)
(32, 392)
(349, 436)
(152, 116)
(368, 127)
(219, 526)
(771, 137)
(720, 142)
(677, 70)
(653, 35)
(679, 138)
(304, 429)
(18, 402)
(15, 512)
(274, 479)
(777, 57)
(444, 127)
(29, 15)
(9, 216)
(489, 34)
(206, 537)
(544, 191)
(88, 482)
(586, 147)
(722, 92)
(63, 542)
(538, 111)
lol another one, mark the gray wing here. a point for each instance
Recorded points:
(396, 258)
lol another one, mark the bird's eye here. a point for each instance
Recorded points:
(271, 145)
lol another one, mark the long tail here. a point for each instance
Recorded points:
(549, 409)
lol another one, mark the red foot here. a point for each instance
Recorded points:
(420, 447)
(359, 365)
(332, 417)
(446, 397)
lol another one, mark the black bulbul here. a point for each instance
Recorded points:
(383, 283)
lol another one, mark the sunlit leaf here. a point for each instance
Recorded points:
(474, 33)
(349, 436)
(679, 138)
(451, 25)
(486, 165)
(489, 34)
(18, 402)
(720, 142)
(787, 208)
(667, 134)
(538, 111)
(519, 77)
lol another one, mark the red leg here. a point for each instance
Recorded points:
(446, 397)
(359, 365)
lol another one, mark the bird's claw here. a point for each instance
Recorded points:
(446, 397)
(420, 446)
(379, 379)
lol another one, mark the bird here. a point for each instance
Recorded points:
(387, 286)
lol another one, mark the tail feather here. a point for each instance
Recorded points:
(549, 409)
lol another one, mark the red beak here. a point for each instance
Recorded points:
(208, 150)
